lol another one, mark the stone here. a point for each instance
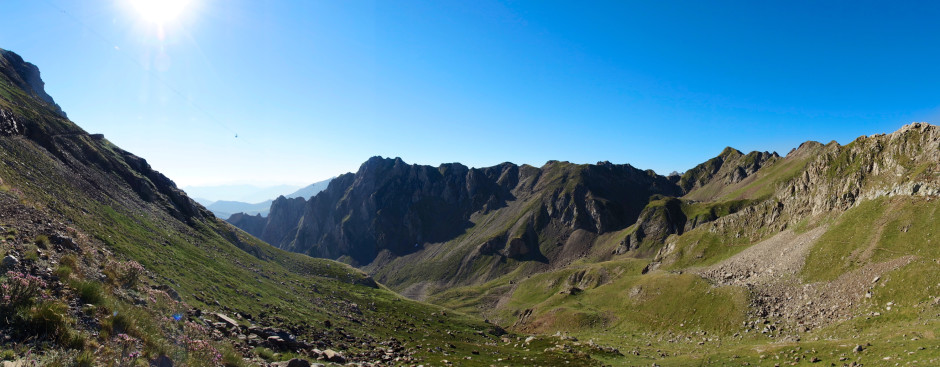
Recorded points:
(858, 348)
(297, 362)
(275, 341)
(161, 361)
(65, 241)
(333, 356)
(170, 292)
(9, 261)
(227, 320)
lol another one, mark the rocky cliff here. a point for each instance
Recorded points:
(25, 75)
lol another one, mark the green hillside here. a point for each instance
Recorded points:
(110, 264)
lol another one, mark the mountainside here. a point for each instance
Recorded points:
(828, 255)
(389, 207)
(744, 248)
(391, 215)
(107, 263)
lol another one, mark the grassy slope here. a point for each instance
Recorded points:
(213, 266)
(684, 308)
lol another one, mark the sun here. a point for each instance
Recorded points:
(160, 11)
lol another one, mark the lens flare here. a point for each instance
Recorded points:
(160, 11)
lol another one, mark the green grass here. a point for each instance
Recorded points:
(875, 231)
(701, 247)
(626, 302)
(31, 253)
(42, 241)
(89, 292)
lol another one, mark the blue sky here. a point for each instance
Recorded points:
(314, 88)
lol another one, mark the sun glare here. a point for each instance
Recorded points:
(160, 11)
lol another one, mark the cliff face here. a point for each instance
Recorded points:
(392, 206)
(905, 162)
(26, 76)
(281, 224)
(28, 112)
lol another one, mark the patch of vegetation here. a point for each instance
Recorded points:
(89, 292)
(701, 212)
(701, 247)
(41, 241)
(874, 231)
(31, 253)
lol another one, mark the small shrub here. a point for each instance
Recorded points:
(18, 290)
(48, 318)
(89, 292)
(85, 359)
(74, 340)
(69, 260)
(126, 274)
(42, 241)
(232, 359)
(32, 253)
(202, 351)
(130, 273)
(264, 353)
(7, 355)
(72, 262)
(130, 349)
(63, 271)
(118, 323)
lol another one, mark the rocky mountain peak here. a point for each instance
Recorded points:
(26, 76)
(730, 166)
(730, 152)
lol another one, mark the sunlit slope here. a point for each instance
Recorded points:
(112, 208)
(804, 258)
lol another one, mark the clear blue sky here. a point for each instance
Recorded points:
(314, 88)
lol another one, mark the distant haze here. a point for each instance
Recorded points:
(223, 205)
(243, 193)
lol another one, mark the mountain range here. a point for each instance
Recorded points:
(225, 208)
(749, 246)
(826, 255)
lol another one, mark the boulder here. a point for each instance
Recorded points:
(333, 356)
(9, 261)
(297, 362)
(161, 361)
(230, 322)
